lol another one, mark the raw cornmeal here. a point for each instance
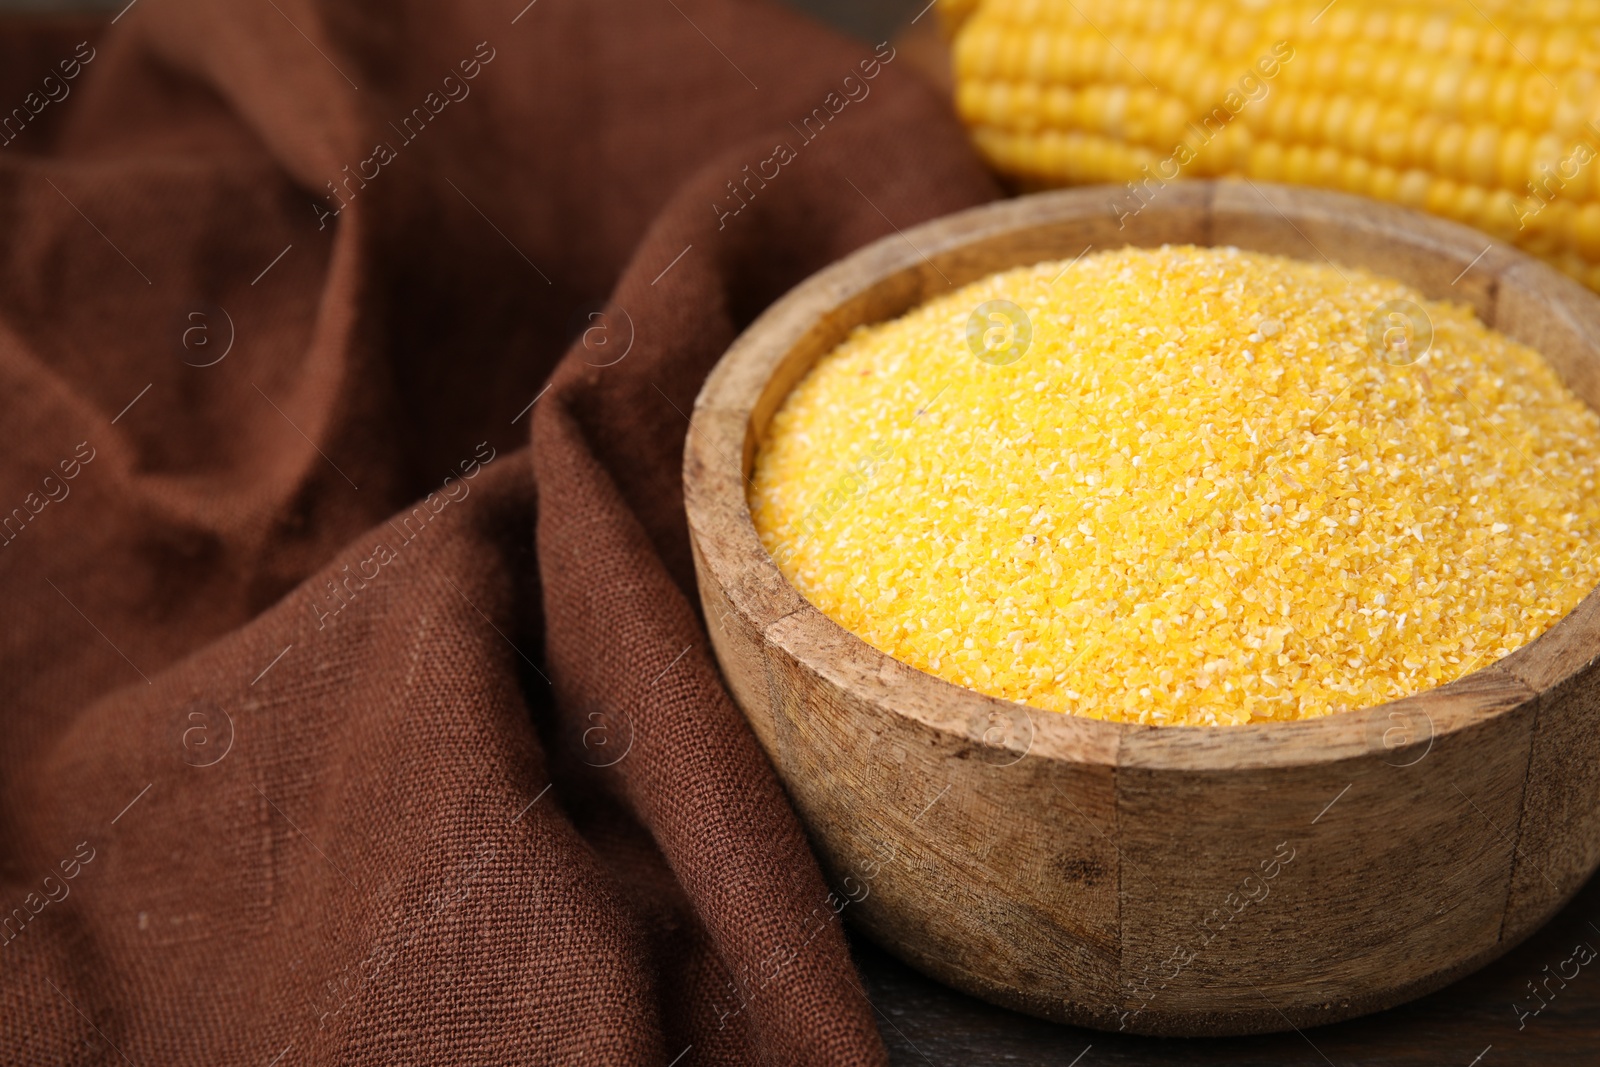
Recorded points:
(1200, 496)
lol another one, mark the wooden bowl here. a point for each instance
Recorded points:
(1162, 880)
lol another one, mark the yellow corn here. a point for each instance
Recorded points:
(1482, 111)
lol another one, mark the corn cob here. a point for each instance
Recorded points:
(1483, 111)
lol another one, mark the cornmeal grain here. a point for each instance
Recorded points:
(1200, 497)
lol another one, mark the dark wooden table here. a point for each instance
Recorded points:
(1473, 1023)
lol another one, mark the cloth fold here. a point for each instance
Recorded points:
(359, 705)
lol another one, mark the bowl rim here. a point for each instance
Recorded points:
(723, 426)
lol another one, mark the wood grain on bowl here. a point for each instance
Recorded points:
(1163, 880)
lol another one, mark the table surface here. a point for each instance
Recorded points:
(1473, 1023)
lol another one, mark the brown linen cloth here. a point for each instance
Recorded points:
(341, 725)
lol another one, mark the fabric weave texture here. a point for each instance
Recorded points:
(356, 711)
